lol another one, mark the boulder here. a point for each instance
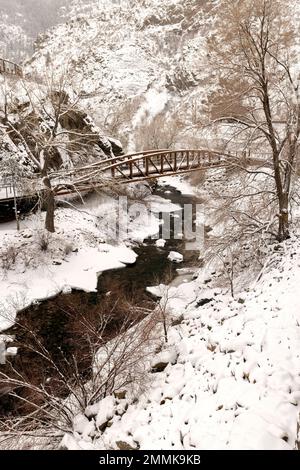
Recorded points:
(122, 445)
(175, 257)
(160, 243)
(116, 146)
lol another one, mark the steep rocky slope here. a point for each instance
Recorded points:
(20, 23)
(131, 60)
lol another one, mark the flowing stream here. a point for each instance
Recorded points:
(55, 322)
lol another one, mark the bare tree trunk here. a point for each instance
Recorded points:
(283, 202)
(284, 197)
(283, 229)
(49, 201)
(282, 188)
(16, 207)
(49, 222)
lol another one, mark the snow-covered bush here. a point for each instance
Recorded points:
(42, 238)
(9, 256)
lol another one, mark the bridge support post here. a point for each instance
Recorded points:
(147, 166)
(175, 161)
(188, 160)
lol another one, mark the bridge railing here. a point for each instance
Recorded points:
(162, 161)
(134, 157)
(8, 67)
(136, 167)
(144, 165)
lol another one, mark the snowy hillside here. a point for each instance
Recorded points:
(21, 21)
(228, 378)
(150, 302)
(125, 54)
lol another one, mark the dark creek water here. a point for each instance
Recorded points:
(25, 205)
(58, 325)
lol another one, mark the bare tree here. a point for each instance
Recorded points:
(15, 171)
(160, 133)
(113, 356)
(53, 132)
(258, 93)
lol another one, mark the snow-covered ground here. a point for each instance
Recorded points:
(229, 376)
(181, 184)
(232, 375)
(83, 246)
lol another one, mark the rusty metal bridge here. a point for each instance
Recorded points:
(132, 168)
(137, 167)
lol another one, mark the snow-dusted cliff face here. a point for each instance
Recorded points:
(132, 59)
(22, 20)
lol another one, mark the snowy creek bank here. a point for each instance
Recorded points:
(56, 321)
(229, 377)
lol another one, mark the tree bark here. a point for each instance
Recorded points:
(283, 229)
(49, 201)
(282, 186)
(284, 199)
(16, 207)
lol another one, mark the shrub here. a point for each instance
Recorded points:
(43, 239)
(8, 257)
